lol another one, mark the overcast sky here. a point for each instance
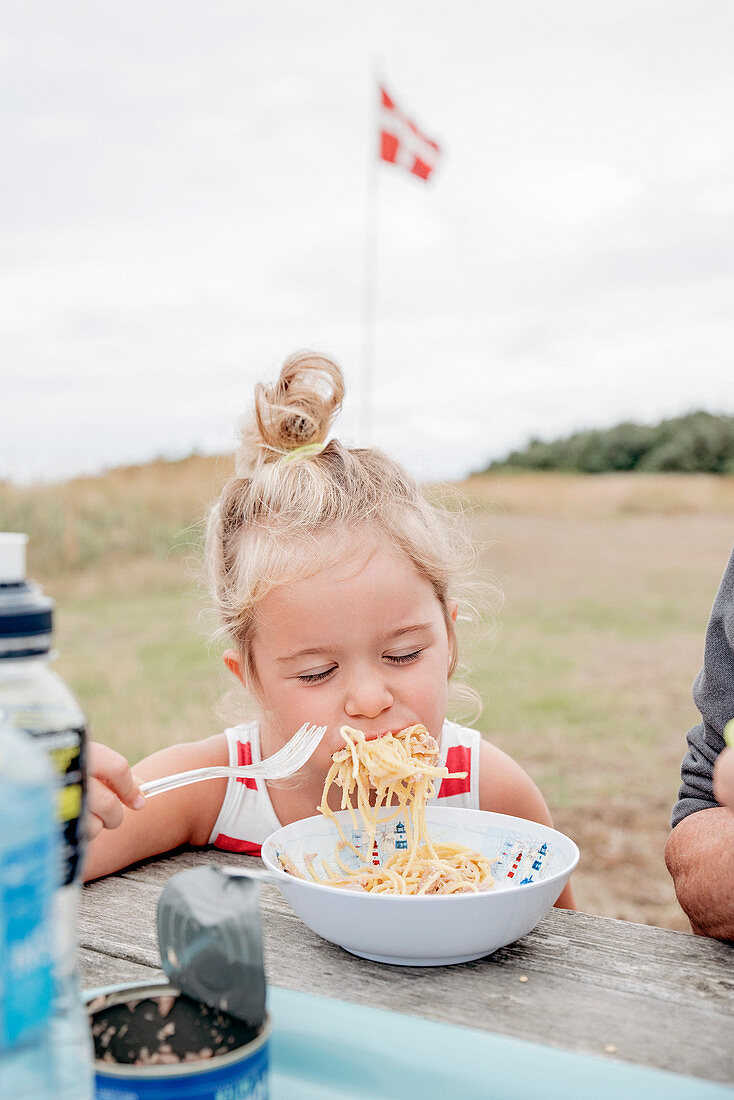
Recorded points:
(184, 196)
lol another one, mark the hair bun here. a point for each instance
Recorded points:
(297, 409)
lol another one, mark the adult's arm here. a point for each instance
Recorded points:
(700, 849)
(700, 857)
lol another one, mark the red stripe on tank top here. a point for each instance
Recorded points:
(233, 844)
(458, 759)
(244, 756)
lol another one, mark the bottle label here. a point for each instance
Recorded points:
(27, 876)
(67, 751)
(66, 747)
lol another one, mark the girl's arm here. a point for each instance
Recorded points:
(185, 815)
(504, 788)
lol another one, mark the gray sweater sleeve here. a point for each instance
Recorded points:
(713, 694)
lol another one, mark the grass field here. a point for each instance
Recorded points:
(585, 670)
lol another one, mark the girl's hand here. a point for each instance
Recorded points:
(110, 785)
(724, 778)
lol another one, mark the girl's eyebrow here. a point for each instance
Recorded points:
(309, 651)
(328, 651)
(414, 628)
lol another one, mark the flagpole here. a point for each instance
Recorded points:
(369, 302)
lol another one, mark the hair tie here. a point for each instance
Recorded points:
(306, 450)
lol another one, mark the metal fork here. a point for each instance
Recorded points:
(286, 761)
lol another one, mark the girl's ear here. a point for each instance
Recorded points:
(233, 663)
(453, 609)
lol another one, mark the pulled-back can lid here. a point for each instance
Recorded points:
(26, 615)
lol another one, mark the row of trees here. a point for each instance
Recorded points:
(698, 442)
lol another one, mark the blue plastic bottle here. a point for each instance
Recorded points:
(29, 861)
(35, 700)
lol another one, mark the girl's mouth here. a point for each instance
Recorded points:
(382, 733)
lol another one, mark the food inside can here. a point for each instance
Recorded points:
(155, 1037)
(163, 1030)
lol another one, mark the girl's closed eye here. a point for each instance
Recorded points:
(316, 677)
(403, 658)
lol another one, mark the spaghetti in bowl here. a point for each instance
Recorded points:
(531, 864)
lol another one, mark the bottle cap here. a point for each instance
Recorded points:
(26, 615)
(12, 556)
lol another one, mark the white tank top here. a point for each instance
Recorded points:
(246, 817)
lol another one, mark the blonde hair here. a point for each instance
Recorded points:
(269, 525)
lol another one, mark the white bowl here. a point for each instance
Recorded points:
(533, 864)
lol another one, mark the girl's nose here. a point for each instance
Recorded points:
(367, 697)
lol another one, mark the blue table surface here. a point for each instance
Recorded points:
(324, 1049)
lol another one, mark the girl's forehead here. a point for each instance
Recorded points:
(378, 579)
(362, 567)
(342, 556)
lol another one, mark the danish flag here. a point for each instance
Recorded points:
(401, 142)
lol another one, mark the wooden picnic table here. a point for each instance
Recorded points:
(583, 983)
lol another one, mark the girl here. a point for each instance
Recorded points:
(331, 575)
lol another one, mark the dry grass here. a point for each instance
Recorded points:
(588, 497)
(150, 511)
(608, 583)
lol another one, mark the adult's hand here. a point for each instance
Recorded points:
(724, 779)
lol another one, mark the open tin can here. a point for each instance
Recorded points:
(153, 1043)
